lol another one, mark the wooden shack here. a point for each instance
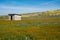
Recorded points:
(14, 17)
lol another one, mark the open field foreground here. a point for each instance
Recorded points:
(30, 30)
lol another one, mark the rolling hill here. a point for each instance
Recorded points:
(52, 14)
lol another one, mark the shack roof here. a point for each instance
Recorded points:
(12, 14)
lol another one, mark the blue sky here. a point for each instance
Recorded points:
(27, 6)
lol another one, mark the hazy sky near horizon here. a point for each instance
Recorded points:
(27, 6)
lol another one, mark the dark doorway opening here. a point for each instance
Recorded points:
(11, 18)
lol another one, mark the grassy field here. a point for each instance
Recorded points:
(30, 30)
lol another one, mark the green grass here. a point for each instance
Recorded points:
(19, 30)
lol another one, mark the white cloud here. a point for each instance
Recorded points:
(8, 9)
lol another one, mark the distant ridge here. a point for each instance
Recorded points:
(47, 13)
